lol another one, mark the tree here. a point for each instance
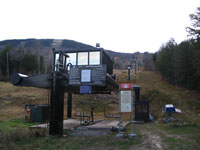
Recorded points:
(166, 61)
(29, 62)
(154, 59)
(3, 60)
(148, 62)
(41, 64)
(17, 57)
(184, 65)
(194, 30)
(180, 64)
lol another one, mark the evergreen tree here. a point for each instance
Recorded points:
(185, 68)
(194, 30)
(3, 60)
(29, 62)
(165, 61)
(41, 64)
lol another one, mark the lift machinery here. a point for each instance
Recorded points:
(78, 71)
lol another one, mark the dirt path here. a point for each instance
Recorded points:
(151, 138)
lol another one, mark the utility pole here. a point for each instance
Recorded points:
(135, 64)
(129, 76)
(7, 66)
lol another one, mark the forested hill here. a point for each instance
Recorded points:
(43, 44)
(38, 52)
(122, 60)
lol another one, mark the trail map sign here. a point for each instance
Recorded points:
(126, 101)
(126, 97)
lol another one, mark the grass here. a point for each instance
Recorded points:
(28, 141)
(186, 100)
(181, 128)
(182, 135)
(13, 99)
(15, 135)
(174, 143)
(8, 125)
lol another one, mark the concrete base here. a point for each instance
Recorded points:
(104, 125)
(98, 125)
(67, 124)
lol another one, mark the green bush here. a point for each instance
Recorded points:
(157, 101)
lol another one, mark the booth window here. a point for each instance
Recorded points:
(72, 58)
(94, 58)
(83, 58)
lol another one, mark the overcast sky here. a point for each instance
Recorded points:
(119, 25)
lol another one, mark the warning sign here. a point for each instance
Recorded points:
(126, 101)
(125, 86)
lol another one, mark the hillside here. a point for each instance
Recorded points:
(43, 47)
(152, 86)
(43, 44)
(182, 133)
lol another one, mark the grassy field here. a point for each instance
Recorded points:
(182, 133)
(26, 139)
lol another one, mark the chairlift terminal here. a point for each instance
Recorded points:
(79, 71)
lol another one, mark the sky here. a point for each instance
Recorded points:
(118, 25)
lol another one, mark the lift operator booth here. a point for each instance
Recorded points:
(78, 71)
(91, 69)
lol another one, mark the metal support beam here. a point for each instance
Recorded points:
(56, 106)
(39, 81)
(69, 105)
